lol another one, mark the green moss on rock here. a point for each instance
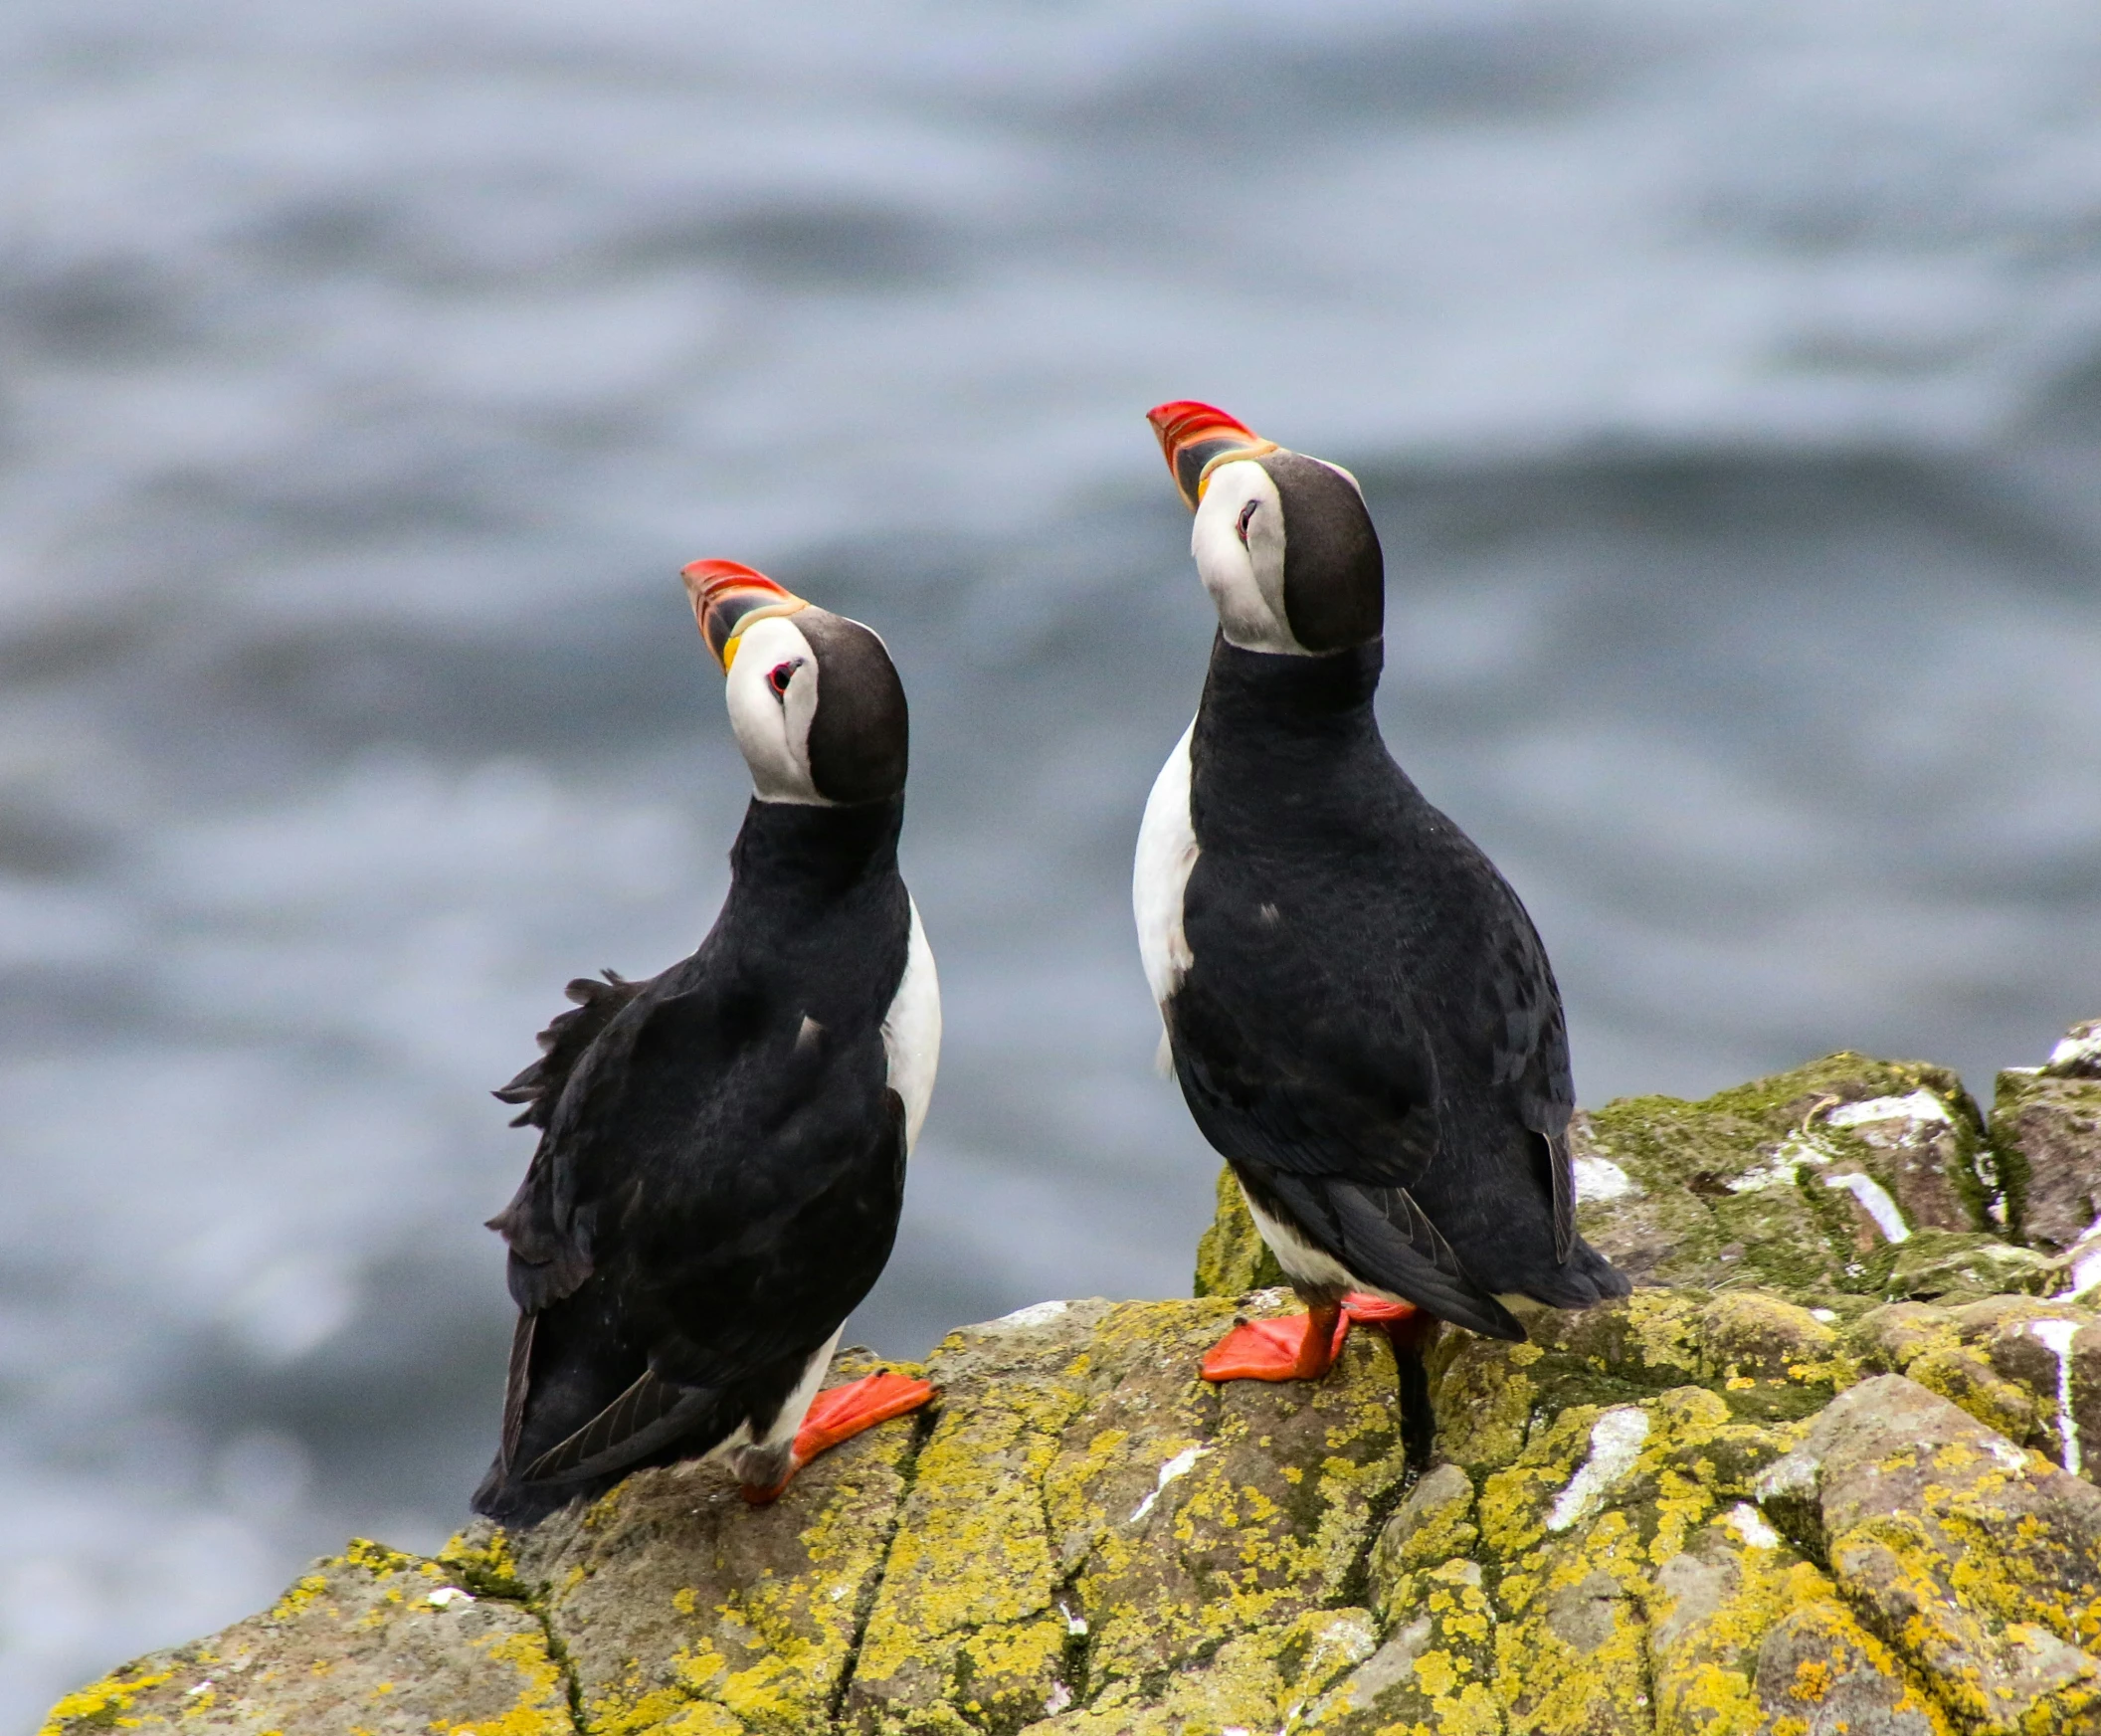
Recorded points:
(1232, 1257)
(2047, 1134)
(1745, 1188)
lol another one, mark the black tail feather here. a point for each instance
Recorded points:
(650, 1414)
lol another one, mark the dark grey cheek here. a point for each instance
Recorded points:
(1334, 574)
(1334, 604)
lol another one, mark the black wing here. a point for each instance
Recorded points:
(1301, 1077)
(1312, 1071)
(563, 1042)
(728, 1180)
(550, 1247)
(1525, 1042)
(802, 1270)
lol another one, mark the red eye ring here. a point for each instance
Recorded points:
(1240, 528)
(781, 675)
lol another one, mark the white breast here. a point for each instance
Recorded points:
(1166, 852)
(911, 1030)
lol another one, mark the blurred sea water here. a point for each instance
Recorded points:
(1726, 379)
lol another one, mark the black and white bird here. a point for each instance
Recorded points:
(722, 1150)
(1358, 1008)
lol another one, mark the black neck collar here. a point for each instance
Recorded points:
(814, 853)
(1281, 691)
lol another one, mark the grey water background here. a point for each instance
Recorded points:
(1726, 378)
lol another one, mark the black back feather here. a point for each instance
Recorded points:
(1369, 1029)
(721, 1168)
(562, 1046)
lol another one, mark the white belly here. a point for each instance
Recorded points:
(1166, 852)
(1311, 1265)
(911, 1032)
(763, 1460)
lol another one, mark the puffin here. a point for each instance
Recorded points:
(722, 1147)
(1358, 1009)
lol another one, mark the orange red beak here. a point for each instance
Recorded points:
(1196, 436)
(727, 597)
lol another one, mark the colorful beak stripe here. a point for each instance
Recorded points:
(1194, 437)
(727, 597)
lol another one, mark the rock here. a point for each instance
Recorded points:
(2047, 1134)
(1813, 1504)
(1978, 1562)
(370, 1640)
(2077, 1054)
(1807, 1182)
(674, 1600)
(1232, 1257)
(1935, 1264)
(2028, 1369)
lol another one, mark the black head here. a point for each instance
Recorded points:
(1283, 543)
(814, 698)
(861, 738)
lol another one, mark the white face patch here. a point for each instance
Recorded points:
(771, 691)
(1245, 579)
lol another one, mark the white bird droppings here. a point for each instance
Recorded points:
(1179, 1465)
(203, 1687)
(1616, 1440)
(1919, 1106)
(1058, 1699)
(2084, 1272)
(2058, 1334)
(2007, 1455)
(1036, 1314)
(2079, 1045)
(1827, 1315)
(1875, 1201)
(444, 1596)
(1792, 1155)
(1750, 1527)
(1073, 1624)
(1599, 1177)
(1796, 1474)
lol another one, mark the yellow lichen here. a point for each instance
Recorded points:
(101, 1704)
(377, 1559)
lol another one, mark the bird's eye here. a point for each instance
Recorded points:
(781, 675)
(1247, 512)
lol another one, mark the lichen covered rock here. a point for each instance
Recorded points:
(1809, 1182)
(371, 1640)
(1980, 1563)
(1232, 1257)
(2046, 1136)
(1805, 1479)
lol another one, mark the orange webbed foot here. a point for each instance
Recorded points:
(1366, 1311)
(1298, 1347)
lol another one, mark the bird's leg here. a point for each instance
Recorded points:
(1298, 1347)
(1411, 1332)
(840, 1414)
